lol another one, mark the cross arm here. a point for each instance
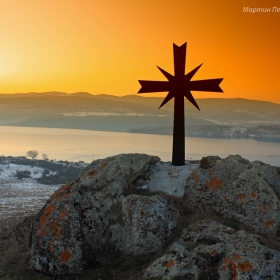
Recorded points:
(206, 85)
(189, 96)
(153, 86)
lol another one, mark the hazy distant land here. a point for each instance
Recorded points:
(219, 118)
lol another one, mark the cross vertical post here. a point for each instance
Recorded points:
(178, 151)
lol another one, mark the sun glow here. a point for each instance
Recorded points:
(107, 46)
(8, 63)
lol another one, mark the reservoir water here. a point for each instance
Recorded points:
(86, 145)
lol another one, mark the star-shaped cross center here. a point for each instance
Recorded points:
(180, 84)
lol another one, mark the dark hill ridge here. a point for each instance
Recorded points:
(83, 110)
(48, 94)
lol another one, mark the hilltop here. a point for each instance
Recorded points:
(132, 216)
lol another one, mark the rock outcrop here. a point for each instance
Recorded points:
(238, 189)
(124, 204)
(93, 214)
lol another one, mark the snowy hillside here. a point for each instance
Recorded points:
(9, 171)
(20, 192)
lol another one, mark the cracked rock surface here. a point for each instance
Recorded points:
(210, 249)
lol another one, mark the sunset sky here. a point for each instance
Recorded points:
(107, 46)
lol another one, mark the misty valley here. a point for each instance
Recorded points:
(218, 118)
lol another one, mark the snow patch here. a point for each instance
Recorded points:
(22, 197)
(9, 170)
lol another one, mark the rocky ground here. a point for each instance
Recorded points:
(134, 217)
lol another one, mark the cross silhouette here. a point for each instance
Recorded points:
(179, 86)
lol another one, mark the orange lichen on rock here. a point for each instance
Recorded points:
(236, 257)
(104, 165)
(55, 229)
(270, 223)
(233, 266)
(41, 233)
(63, 192)
(195, 177)
(262, 163)
(224, 267)
(214, 252)
(62, 214)
(229, 263)
(92, 173)
(65, 256)
(263, 208)
(215, 184)
(169, 264)
(53, 226)
(56, 226)
(51, 249)
(254, 195)
(242, 197)
(225, 198)
(66, 187)
(46, 215)
(244, 267)
(201, 191)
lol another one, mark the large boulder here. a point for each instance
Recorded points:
(238, 189)
(93, 214)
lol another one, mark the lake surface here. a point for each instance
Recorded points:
(86, 145)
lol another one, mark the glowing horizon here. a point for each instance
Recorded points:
(106, 47)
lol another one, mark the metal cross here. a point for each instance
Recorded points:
(179, 86)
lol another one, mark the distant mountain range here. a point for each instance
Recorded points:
(82, 110)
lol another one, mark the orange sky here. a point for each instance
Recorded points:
(107, 46)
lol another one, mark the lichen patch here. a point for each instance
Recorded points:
(195, 177)
(169, 264)
(214, 252)
(104, 165)
(244, 267)
(215, 184)
(263, 208)
(92, 173)
(46, 215)
(270, 223)
(65, 256)
(242, 197)
(254, 195)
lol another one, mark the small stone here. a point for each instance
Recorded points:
(208, 162)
